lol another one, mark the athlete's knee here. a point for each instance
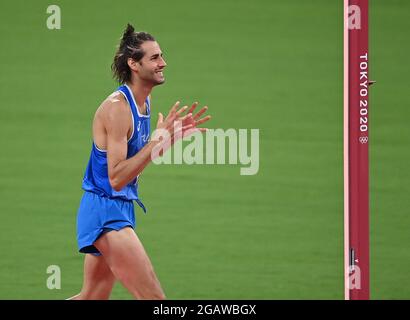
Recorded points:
(149, 293)
(98, 290)
(146, 288)
(152, 289)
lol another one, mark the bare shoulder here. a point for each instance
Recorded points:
(115, 103)
(114, 109)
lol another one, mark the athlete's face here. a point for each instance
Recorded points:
(152, 64)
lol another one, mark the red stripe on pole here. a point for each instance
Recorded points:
(356, 127)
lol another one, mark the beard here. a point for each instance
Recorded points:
(154, 78)
(159, 78)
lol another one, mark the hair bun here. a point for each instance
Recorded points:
(129, 31)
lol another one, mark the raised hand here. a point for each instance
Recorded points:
(194, 120)
(175, 127)
(181, 126)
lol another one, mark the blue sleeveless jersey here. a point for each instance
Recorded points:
(96, 174)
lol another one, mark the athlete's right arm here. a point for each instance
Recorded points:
(120, 169)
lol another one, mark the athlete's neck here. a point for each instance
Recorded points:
(140, 91)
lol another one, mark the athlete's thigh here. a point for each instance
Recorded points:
(98, 278)
(130, 263)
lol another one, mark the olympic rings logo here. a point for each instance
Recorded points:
(363, 140)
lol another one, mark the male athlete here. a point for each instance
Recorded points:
(121, 149)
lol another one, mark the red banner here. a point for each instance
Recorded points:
(356, 142)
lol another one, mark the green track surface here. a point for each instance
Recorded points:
(211, 233)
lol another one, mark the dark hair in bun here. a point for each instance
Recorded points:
(130, 47)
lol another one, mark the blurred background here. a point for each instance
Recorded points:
(276, 66)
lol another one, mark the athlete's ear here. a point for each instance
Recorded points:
(134, 65)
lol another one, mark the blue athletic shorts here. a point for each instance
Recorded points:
(97, 215)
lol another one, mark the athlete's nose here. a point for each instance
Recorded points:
(162, 63)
